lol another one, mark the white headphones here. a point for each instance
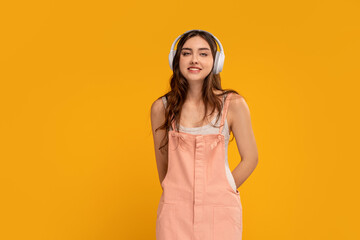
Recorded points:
(219, 57)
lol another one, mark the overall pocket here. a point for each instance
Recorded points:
(227, 223)
(165, 227)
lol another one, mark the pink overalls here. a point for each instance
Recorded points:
(197, 202)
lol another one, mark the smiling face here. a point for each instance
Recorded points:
(196, 53)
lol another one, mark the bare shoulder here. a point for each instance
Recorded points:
(238, 108)
(157, 106)
(157, 113)
(236, 100)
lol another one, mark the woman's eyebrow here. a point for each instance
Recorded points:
(198, 48)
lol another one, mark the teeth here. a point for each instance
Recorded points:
(194, 69)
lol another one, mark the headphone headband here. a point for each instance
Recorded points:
(219, 57)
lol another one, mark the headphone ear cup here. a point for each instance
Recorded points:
(171, 58)
(216, 63)
(221, 61)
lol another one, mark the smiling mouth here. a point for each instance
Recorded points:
(192, 70)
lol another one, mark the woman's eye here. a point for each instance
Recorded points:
(185, 53)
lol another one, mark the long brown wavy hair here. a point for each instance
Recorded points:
(179, 88)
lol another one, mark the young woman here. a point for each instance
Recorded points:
(191, 127)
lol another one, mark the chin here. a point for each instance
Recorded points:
(195, 77)
(192, 79)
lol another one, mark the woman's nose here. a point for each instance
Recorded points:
(194, 58)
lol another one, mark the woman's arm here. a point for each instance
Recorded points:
(240, 124)
(157, 119)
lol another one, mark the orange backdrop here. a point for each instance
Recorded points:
(77, 82)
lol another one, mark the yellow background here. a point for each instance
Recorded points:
(77, 82)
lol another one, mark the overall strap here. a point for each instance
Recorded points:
(173, 125)
(224, 111)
